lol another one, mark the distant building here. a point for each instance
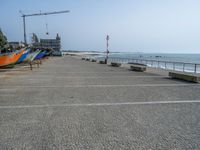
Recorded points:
(15, 45)
(54, 44)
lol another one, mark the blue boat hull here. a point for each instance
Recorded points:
(23, 56)
(40, 55)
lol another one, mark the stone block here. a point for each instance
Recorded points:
(185, 76)
(139, 68)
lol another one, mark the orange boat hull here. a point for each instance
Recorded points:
(11, 58)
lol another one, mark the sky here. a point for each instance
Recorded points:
(160, 26)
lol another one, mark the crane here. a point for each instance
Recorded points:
(37, 14)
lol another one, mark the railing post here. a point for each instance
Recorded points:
(173, 66)
(165, 65)
(183, 67)
(195, 68)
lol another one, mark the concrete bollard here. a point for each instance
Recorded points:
(115, 64)
(102, 62)
(185, 76)
(139, 68)
(93, 60)
(87, 59)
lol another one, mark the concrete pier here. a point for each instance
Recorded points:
(69, 103)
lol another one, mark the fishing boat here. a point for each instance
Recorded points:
(11, 58)
(41, 54)
(23, 56)
(31, 56)
(48, 52)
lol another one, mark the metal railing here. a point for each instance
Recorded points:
(169, 65)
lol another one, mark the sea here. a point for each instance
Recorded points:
(182, 62)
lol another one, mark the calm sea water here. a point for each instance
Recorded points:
(185, 58)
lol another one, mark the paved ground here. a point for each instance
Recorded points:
(69, 104)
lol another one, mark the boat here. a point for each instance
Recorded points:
(48, 52)
(31, 56)
(23, 56)
(11, 58)
(41, 54)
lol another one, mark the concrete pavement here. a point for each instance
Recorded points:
(68, 103)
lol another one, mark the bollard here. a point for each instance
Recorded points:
(31, 65)
(38, 64)
(195, 68)
(106, 61)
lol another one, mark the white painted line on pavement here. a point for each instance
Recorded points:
(37, 79)
(7, 90)
(117, 77)
(93, 77)
(103, 104)
(108, 85)
(5, 94)
(113, 72)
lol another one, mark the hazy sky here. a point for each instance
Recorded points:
(133, 25)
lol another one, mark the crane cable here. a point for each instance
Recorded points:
(46, 24)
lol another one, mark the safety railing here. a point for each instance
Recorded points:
(169, 65)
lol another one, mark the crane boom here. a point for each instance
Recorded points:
(46, 13)
(38, 14)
